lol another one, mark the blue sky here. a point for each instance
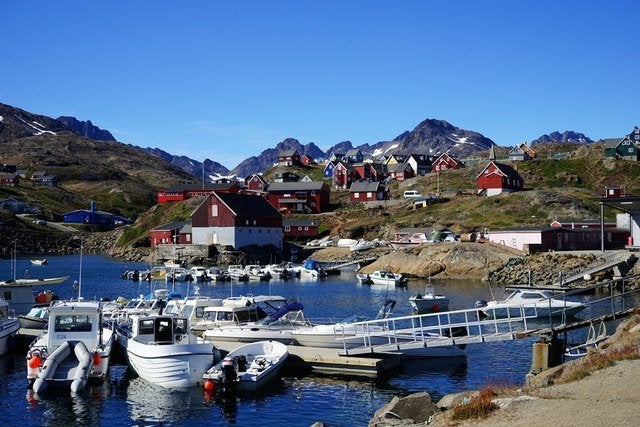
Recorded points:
(226, 80)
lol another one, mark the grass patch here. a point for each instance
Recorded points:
(478, 406)
(600, 360)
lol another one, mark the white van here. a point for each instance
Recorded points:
(409, 194)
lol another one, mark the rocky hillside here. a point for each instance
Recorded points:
(86, 128)
(16, 124)
(211, 169)
(266, 159)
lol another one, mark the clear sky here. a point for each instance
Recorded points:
(226, 80)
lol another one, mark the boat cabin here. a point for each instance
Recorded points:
(78, 321)
(241, 310)
(160, 330)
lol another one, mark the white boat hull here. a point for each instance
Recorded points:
(171, 366)
(8, 330)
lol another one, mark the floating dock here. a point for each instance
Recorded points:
(328, 361)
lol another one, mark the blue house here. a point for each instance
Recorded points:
(328, 169)
(93, 216)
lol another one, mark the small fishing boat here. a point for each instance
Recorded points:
(8, 326)
(39, 261)
(247, 368)
(34, 281)
(429, 301)
(36, 318)
(387, 278)
(162, 350)
(75, 348)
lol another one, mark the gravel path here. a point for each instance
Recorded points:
(609, 397)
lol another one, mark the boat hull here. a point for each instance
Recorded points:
(539, 311)
(8, 330)
(171, 366)
(425, 304)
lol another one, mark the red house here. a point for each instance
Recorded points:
(497, 178)
(173, 233)
(300, 197)
(289, 158)
(188, 191)
(300, 228)
(365, 191)
(255, 183)
(343, 175)
(236, 220)
(400, 171)
(444, 162)
(307, 160)
(11, 179)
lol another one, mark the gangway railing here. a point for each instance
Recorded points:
(481, 324)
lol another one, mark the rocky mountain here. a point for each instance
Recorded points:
(268, 157)
(16, 123)
(211, 169)
(435, 137)
(566, 136)
(86, 128)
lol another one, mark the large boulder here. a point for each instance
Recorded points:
(416, 408)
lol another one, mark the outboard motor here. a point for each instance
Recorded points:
(480, 303)
(229, 370)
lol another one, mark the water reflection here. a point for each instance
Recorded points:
(60, 407)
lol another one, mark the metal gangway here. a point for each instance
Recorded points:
(603, 263)
(481, 325)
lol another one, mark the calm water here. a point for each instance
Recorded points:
(293, 400)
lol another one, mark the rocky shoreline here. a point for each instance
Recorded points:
(598, 389)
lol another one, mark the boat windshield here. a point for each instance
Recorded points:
(73, 323)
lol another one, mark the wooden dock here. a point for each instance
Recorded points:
(328, 361)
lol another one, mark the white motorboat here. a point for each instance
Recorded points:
(9, 326)
(178, 274)
(236, 272)
(247, 368)
(193, 308)
(429, 301)
(36, 318)
(74, 350)
(405, 243)
(530, 303)
(162, 350)
(346, 243)
(362, 245)
(387, 278)
(312, 269)
(217, 275)
(39, 262)
(256, 272)
(236, 311)
(198, 273)
(275, 327)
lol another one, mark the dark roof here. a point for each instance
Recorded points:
(248, 205)
(287, 153)
(299, 222)
(508, 170)
(611, 142)
(172, 226)
(206, 187)
(296, 186)
(362, 186)
(352, 152)
(398, 167)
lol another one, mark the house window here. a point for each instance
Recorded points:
(246, 222)
(254, 222)
(287, 228)
(356, 195)
(313, 193)
(369, 195)
(188, 236)
(299, 228)
(306, 229)
(214, 210)
(313, 204)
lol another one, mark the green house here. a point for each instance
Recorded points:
(625, 148)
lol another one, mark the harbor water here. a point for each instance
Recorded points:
(293, 400)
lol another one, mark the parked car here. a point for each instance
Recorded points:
(39, 222)
(409, 194)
